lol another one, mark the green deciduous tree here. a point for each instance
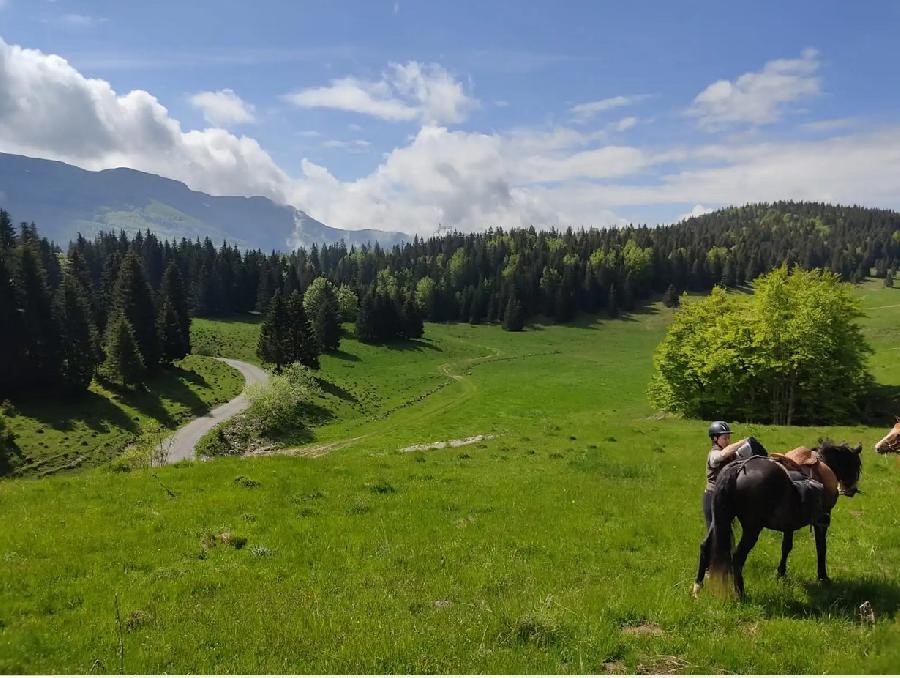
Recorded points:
(790, 354)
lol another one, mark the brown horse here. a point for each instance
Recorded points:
(891, 442)
(759, 492)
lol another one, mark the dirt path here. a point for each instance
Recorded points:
(181, 445)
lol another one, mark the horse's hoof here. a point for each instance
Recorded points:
(695, 590)
(825, 580)
(782, 574)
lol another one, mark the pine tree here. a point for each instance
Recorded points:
(326, 326)
(304, 348)
(78, 335)
(274, 345)
(670, 298)
(172, 290)
(612, 303)
(7, 231)
(168, 328)
(514, 318)
(39, 326)
(133, 300)
(108, 278)
(414, 328)
(365, 320)
(123, 363)
(12, 337)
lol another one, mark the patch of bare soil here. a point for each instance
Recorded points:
(663, 664)
(441, 444)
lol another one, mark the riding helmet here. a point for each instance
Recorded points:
(719, 428)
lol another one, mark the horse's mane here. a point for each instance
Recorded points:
(841, 458)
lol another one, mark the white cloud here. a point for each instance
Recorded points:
(757, 98)
(586, 111)
(354, 145)
(411, 91)
(698, 211)
(81, 20)
(461, 179)
(223, 108)
(50, 110)
(625, 124)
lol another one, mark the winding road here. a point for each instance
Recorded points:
(181, 445)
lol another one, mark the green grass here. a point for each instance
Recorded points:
(54, 434)
(567, 543)
(230, 338)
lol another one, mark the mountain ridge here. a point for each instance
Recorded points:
(64, 200)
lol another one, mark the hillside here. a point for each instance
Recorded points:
(566, 543)
(64, 200)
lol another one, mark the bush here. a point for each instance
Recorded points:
(277, 407)
(790, 354)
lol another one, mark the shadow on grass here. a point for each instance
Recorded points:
(838, 598)
(343, 355)
(173, 384)
(335, 390)
(315, 414)
(408, 345)
(94, 411)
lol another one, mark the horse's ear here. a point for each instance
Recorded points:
(858, 448)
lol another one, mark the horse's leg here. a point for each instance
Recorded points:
(787, 543)
(748, 541)
(705, 546)
(821, 549)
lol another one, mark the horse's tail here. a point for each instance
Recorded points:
(724, 512)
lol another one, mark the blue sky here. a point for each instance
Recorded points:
(405, 115)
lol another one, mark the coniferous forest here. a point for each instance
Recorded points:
(119, 307)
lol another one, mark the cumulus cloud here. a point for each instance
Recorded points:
(459, 179)
(697, 211)
(48, 109)
(586, 111)
(757, 98)
(223, 108)
(411, 91)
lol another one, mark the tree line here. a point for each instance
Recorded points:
(509, 277)
(59, 331)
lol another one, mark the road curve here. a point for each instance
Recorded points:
(181, 445)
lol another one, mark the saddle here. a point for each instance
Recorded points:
(813, 480)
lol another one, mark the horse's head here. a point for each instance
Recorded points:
(846, 463)
(891, 442)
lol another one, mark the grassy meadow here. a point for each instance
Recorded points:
(55, 434)
(564, 541)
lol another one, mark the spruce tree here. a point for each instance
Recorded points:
(612, 303)
(172, 290)
(365, 318)
(274, 345)
(326, 326)
(514, 318)
(304, 348)
(133, 300)
(414, 328)
(168, 328)
(12, 337)
(39, 326)
(670, 298)
(108, 278)
(7, 231)
(79, 350)
(123, 364)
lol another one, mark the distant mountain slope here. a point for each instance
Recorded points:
(64, 200)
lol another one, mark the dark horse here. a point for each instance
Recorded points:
(759, 493)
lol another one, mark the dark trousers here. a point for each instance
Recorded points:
(707, 507)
